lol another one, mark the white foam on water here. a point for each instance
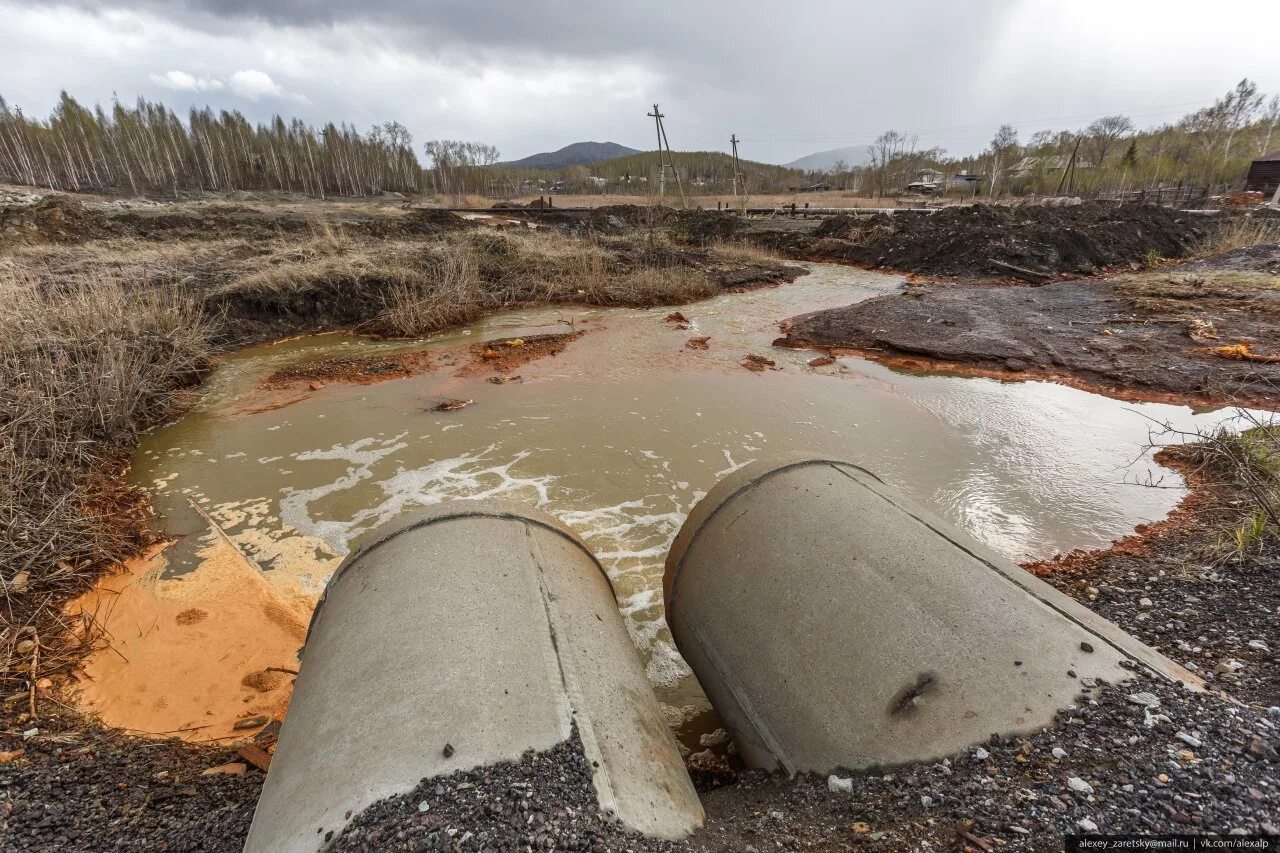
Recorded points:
(472, 476)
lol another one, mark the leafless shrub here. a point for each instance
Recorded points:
(1240, 457)
(84, 365)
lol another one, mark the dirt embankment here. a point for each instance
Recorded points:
(1031, 243)
(1207, 331)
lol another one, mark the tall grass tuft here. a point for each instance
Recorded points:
(84, 365)
(1239, 232)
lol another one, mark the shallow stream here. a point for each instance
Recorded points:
(618, 436)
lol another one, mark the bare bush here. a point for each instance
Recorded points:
(1241, 458)
(84, 365)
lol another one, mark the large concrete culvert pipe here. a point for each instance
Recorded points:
(834, 624)
(488, 627)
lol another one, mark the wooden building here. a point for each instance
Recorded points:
(1264, 174)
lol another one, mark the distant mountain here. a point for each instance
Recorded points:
(825, 161)
(579, 153)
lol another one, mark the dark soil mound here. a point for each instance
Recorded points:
(624, 218)
(1030, 242)
(53, 219)
(703, 227)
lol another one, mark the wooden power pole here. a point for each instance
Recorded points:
(737, 169)
(665, 160)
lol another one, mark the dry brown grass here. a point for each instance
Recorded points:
(410, 288)
(84, 365)
(747, 253)
(1239, 232)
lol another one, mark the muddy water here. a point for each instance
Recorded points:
(618, 436)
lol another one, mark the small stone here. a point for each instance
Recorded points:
(926, 800)
(1087, 648)
(1087, 825)
(232, 768)
(981, 754)
(1163, 779)
(777, 815)
(1258, 749)
(251, 722)
(1274, 711)
(30, 733)
(838, 785)
(1144, 602)
(715, 738)
(1059, 753)
(1080, 786)
(1258, 645)
(1189, 739)
(1146, 700)
(447, 752)
(424, 806)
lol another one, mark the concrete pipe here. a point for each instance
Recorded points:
(486, 626)
(834, 624)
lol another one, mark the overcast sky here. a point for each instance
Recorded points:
(534, 75)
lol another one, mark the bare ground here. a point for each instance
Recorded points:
(1206, 331)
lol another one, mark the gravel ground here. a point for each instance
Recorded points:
(1142, 757)
(77, 786)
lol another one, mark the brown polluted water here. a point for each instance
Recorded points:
(618, 435)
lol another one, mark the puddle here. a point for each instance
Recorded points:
(618, 436)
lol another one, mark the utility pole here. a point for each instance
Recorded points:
(665, 160)
(737, 170)
(1071, 164)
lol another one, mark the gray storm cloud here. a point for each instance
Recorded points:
(788, 79)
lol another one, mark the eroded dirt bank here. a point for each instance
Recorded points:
(1027, 242)
(1206, 331)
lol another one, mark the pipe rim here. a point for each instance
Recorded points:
(455, 510)
(745, 478)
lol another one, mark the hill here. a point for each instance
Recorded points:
(698, 168)
(579, 153)
(825, 161)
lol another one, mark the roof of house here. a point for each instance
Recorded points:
(1274, 155)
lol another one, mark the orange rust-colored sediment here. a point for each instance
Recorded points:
(503, 355)
(1116, 391)
(360, 370)
(192, 655)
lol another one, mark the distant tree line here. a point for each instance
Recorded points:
(147, 148)
(1211, 148)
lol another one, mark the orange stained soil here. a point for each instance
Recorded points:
(504, 355)
(190, 656)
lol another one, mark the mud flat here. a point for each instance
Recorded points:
(1204, 332)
